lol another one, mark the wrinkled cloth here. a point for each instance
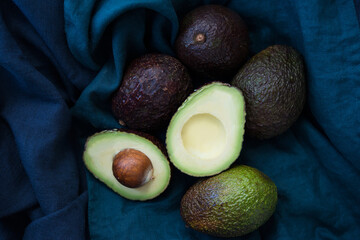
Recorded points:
(60, 61)
(42, 181)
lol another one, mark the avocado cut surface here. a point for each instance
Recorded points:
(273, 84)
(100, 150)
(205, 135)
(232, 203)
(213, 41)
(153, 87)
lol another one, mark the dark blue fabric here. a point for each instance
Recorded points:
(61, 60)
(357, 8)
(42, 181)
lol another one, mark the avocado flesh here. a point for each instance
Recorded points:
(273, 84)
(205, 135)
(98, 156)
(230, 204)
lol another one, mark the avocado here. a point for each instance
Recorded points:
(273, 83)
(213, 41)
(128, 162)
(233, 203)
(153, 87)
(205, 135)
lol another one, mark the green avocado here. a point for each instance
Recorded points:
(231, 204)
(213, 41)
(205, 135)
(273, 84)
(132, 164)
(153, 87)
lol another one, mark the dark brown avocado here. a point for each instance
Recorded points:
(273, 84)
(213, 41)
(153, 87)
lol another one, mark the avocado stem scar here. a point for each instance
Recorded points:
(200, 38)
(122, 123)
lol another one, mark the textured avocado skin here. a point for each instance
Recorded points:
(226, 46)
(152, 89)
(233, 203)
(273, 84)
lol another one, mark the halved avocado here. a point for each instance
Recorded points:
(205, 135)
(131, 165)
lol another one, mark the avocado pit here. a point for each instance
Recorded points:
(132, 168)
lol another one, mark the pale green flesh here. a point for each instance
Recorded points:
(205, 135)
(100, 150)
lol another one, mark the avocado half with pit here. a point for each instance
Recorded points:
(134, 165)
(205, 135)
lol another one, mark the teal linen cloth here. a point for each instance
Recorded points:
(315, 164)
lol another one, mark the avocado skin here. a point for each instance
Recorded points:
(231, 204)
(153, 87)
(226, 46)
(273, 84)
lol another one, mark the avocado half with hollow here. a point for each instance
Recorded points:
(133, 166)
(205, 135)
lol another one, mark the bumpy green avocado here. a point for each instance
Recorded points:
(231, 204)
(153, 87)
(273, 84)
(213, 41)
(132, 164)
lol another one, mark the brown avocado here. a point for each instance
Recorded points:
(153, 87)
(213, 41)
(273, 84)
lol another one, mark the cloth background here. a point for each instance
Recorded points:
(61, 60)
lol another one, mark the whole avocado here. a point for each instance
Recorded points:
(231, 204)
(153, 87)
(273, 84)
(213, 41)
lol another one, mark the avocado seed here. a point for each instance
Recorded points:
(132, 168)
